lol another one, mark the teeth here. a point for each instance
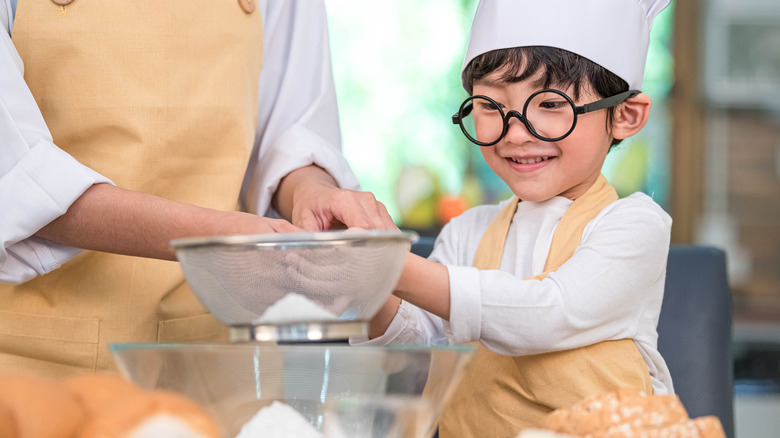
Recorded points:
(529, 160)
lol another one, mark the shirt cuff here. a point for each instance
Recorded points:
(39, 188)
(396, 332)
(465, 305)
(296, 148)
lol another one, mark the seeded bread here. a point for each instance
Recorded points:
(630, 413)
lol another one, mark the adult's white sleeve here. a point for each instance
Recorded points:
(298, 121)
(38, 181)
(609, 289)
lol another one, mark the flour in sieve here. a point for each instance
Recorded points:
(278, 421)
(294, 308)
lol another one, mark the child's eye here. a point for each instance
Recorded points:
(488, 106)
(553, 105)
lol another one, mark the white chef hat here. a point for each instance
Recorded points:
(612, 33)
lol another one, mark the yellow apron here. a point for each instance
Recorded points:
(501, 395)
(160, 97)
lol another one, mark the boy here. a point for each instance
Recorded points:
(561, 285)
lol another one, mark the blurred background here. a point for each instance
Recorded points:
(710, 155)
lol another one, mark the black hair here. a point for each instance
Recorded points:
(560, 67)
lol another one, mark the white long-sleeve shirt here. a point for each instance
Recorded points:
(297, 126)
(611, 288)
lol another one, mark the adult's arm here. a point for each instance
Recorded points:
(53, 206)
(38, 181)
(111, 219)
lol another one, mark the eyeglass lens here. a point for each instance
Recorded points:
(548, 116)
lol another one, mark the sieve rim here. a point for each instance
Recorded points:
(283, 240)
(119, 347)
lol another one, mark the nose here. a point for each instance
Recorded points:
(516, 131)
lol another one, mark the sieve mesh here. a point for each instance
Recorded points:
(344, 275)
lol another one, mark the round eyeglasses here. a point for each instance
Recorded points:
(549, 115)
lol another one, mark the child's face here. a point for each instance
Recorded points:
(537, 170)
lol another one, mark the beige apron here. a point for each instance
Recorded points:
(501, 395)
(160, 97)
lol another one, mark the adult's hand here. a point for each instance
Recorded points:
(310, 198)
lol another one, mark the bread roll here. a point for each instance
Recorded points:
(702, 427)
(151, 414)
(630, 413)
(99, 392)
(7, 423)
(602, 412)
(709, 427)
(541, 433)
(40, 408)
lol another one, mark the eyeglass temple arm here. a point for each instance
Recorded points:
(457, 116)
(606, 103)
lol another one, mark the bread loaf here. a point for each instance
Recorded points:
(99, 392)
(96, 407)
(38, 408)
(630, 413)
(151, 414)
(541, 433)
(7, 423)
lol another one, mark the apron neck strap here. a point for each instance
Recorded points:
(567, 234)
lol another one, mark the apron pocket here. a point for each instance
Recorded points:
(53, 345)
(198, 328)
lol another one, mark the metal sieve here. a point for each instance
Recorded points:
(295, 286)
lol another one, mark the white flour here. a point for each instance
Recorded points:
(294, 308)
(278, 421)
(165, 425)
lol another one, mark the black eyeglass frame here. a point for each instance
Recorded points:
(466, 107)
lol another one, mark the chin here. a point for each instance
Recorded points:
(525, 193)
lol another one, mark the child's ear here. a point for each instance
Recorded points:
(631, 116)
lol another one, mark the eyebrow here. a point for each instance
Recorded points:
(492, 83)
(503, 83)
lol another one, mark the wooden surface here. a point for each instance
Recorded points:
(687, 119)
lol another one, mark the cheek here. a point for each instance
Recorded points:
(589, 139)
(591, 127)
(490, 157)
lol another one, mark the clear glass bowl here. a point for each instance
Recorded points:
(235, 381)
(386, 416)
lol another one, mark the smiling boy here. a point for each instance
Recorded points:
(560, 286)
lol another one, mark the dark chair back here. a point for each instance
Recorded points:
(694, 332)
(423, 246)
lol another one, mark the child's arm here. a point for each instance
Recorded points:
(423, 283)
(611, 288)
(381, 321)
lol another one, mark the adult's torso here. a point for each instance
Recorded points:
(160, 97)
